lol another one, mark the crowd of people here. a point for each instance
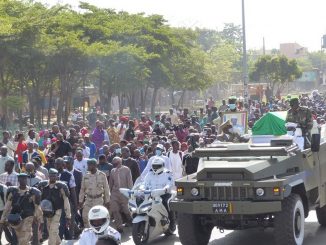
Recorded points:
(54, 177)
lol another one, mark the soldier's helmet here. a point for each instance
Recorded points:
(98, 218)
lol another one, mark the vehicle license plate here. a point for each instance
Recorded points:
(222, 208)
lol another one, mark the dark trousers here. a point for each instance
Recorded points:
(64, 232)
(165, 199)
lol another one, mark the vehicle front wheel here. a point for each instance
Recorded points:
(139, 235)
(321, 215)
(289, 223)
(191, 231)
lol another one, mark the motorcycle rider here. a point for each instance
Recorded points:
(158, 153)
(54, 199)
(161, 178)
(99, 223)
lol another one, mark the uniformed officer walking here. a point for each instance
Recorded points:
(54, 198)
(94, 190)
(301, 116)
(21, 207)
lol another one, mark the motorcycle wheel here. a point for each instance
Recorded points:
(138, 233)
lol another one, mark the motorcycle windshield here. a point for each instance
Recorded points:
(139, 184)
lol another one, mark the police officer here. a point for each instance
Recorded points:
(158, 178)
(94, 190)
(21, 207)
(301, 116)
(99, 222)
(69, 180)
(54, 198)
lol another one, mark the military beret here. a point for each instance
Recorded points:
(92, 161)
(294, 101)
(22, 175)
(53, 171)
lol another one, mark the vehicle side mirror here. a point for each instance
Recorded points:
(315, 142)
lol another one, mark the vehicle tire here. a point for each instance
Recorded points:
(289, 223)
(191, 231)
(169, 231)
(321, 215)
(138, 236)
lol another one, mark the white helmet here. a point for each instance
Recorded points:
(157, 165)
(98, 218)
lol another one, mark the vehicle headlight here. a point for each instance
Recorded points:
(145, 207)
(260, 192)
(194, 191)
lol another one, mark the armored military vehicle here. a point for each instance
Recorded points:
(240, 186)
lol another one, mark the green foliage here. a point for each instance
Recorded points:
(276, 70)
(46, 50)
(13, 102)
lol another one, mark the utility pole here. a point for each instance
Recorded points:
(321, 71)
(244, 61)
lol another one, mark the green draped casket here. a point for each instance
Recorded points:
(272, 123)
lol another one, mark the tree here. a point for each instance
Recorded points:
(278, 71)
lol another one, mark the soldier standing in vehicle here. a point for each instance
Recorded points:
(21, 207)
(54, 198)
(94, 190)
(303, 117)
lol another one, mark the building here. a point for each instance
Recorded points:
(293, 50)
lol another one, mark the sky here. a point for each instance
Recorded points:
(278, 21)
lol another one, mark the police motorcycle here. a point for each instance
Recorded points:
(150, 217)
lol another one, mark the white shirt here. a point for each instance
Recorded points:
(88, 237)
(158, 181)
(176, 164)
(81, 165)
(86, 152)
(11, 148)
(167, 165)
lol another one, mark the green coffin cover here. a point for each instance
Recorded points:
(272, 123)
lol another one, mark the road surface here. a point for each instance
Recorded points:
(314, 235)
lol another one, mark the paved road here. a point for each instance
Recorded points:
(314, 235)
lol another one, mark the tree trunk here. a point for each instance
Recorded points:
(172, 97)
(153, 103)
(61, 101)
(143, 97)
(50, 105)
(120, 104)
(31, 105)
(180, 103)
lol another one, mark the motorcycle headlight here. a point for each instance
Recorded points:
(145, 207)
(132, 207)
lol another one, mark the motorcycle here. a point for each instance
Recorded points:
(150, 217)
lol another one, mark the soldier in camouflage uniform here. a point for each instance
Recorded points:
(303, 117)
